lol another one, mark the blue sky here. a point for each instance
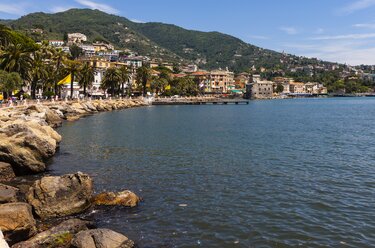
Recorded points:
(335, 30)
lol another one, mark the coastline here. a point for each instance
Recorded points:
(29, 141)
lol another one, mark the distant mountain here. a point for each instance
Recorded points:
(172, 43)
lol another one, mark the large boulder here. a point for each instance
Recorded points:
(55, 196)
(125, 198)
(80, 108)
(101, 238)
(53, 118)
(8, 193)
(6, 172)
(58, 236)
(16, 221)
(27, 145)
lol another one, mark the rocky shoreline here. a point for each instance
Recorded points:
(28, 141)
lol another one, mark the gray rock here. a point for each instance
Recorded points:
(55, 196)
(53, 119)
(8, 193)
(101, 238)
(58, 236)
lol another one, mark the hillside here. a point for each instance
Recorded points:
(172, 43)
(96, 25)
(211, 49)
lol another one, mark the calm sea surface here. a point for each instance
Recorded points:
(279, 173)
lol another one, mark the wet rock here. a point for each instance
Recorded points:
(124, 198)
(8, 193)
(58, 236)
(101, 238)
(16, 221)
(72, 117)
(6, 172)
(55, 196)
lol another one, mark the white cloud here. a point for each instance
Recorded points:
(99, 6)
(351, 52)
(57, 9)
(319, 31)
(13, 9)
(289, 30)
(259, 37)
(137, 21)
(356, 6)
(365, 25)
(345, 37)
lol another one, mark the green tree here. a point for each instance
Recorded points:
(58, 58)
(15, 58)
(124, 75)
(86, 77)
(143, 76)
(37, 72)
(72, 67)
(75, 51)
(111, 80)
(9, 82)
(184, 86)
(5, 35)
(279, 88)
(158, 84)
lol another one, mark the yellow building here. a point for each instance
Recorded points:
(102, 47)
(297, 87)
(220, 81)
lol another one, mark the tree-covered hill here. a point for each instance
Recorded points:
(210, 49)
(172, 43)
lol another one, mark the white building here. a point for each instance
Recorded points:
(134, 62)
(65, 92)
(96, 89)
(76, 38)
(89, 50)
(56, 43)
(260, 89)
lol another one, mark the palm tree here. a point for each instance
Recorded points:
(37, 71)
(111, 80)
(73, 68)
(58, 58)
(15, 58)
(143, 76)
(124, 74)
(86, 77)
(5, 35)
(158, 84)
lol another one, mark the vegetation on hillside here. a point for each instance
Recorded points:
(209, 50)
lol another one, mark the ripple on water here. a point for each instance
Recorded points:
(270, 174)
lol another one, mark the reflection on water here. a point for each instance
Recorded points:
(268, 174)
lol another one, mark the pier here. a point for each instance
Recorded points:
(198, 101)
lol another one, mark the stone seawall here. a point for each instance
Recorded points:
(27, 141)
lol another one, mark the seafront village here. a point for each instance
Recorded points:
(130, 74)
(46, 211)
